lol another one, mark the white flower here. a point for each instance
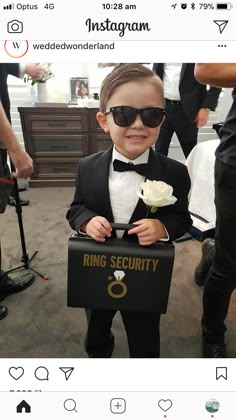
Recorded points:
(156, 194)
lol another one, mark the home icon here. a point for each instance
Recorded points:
(23, 407)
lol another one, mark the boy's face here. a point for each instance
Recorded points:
(133, 140)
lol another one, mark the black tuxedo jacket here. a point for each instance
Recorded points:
(5, 70)
(193, 94)
(92, 192)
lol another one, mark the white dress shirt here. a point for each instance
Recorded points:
(171, 79)
(123, 188)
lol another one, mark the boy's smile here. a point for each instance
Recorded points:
(133, 140)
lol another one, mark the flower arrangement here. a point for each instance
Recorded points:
(156, 194)
(46, 74)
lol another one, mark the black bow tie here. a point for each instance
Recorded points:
(120, 166)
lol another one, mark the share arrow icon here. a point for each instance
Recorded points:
(221, 24)
(67, 371)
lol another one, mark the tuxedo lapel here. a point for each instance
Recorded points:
(101, 181)
(153, 173)
(158, 68)
(183, 68)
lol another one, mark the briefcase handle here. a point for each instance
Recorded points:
(122, 226)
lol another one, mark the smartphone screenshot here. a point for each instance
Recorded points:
(117, 210)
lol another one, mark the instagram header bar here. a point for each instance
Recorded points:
(186, 31)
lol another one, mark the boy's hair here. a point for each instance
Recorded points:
(124, 73)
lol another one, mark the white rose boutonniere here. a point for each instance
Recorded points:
(156, 194)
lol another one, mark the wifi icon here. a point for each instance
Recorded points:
(9, 7)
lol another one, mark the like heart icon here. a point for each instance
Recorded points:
(16, 372)
(165, 405)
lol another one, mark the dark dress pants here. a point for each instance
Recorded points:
(3, 157)
(176, 122)
(221, 279)
(142, 331)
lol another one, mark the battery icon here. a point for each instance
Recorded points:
(224, 6)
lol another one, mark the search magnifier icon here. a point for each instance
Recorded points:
(70, 405)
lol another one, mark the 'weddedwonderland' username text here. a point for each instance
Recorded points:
(121, 27)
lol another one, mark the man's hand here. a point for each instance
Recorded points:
(98, 228)
(202, 117)
(148, 231)
(34, 70)
(22, 162)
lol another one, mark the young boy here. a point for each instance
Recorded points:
(131, 111)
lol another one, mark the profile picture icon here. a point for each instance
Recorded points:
(212, 405)
(14, 26)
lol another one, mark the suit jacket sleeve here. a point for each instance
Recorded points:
(176, 218)
(13, 69)
(211, 99)
(78, 212)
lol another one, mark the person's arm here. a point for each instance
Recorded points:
(176, 218)
(78, 214)
(21, 160)
(34, 70)
(209, 104)
(211, 99)
(13, 69)
(221, 75)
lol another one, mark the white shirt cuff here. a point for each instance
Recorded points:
(168, 237)
(22, 67)
(82, 233)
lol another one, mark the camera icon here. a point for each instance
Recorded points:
(183, 5)
(15, 27)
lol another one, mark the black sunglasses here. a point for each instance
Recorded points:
(126, 115)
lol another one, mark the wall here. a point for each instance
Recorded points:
(59, 91)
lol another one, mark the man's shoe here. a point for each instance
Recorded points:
(16, 285)
(21, 189)
(213, 350)
(3, 312)
(12, 201)
(203, 267)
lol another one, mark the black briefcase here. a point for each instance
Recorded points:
(119, 274)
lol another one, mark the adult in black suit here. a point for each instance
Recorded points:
(24, 166)
(188, 103)
(13, 69)
(221, 278)
(104, 194)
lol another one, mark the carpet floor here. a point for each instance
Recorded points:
(40, 324)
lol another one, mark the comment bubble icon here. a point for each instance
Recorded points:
(41, 373)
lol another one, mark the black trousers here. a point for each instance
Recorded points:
(3, 157)
(221, 279)
(142, 331)
(177, 122)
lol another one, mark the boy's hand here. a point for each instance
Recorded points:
(98, 228)
(148, 231)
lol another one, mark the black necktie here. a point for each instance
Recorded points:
(120, 166)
